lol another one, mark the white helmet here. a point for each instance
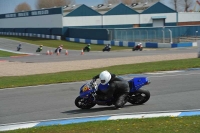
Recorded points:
(105, 77)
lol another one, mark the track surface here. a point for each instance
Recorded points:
(172, 91)
(76, 54)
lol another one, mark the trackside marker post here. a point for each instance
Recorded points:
(82, 52)
(66, 53)
(47, 52)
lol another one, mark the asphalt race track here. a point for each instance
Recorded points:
(169, 91)
(76, 54)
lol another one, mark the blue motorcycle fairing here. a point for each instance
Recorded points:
(81, 88)
(137, 83)
(86, 93)
(103, 87)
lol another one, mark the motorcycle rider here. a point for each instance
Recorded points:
(59, 49)
(19, 47)
(117, 87)
(139, 44)
(87, 48)
(39, 48)
(107, 47)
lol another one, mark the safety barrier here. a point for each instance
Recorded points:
(31, 35)
(132, 44)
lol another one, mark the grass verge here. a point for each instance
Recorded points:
(7, 54)
(70, 76)
(150, 125)
(56, 43)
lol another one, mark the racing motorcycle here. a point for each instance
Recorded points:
(19, 47)
(87, 48)
(137, 47)
(87, 98)
(39, 49)
(106, 48)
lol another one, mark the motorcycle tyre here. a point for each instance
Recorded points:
(140, 91)
(83, 107)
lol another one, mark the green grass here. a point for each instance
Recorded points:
(61, 77)
(6, 54)
(56, 43)
(150, 125)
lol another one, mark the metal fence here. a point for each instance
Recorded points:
(159, 35)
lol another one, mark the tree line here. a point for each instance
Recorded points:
(178, 5)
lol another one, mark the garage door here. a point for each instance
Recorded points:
(158, 22)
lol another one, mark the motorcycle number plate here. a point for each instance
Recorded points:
(85, 88)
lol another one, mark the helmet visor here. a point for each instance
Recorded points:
(103, 81)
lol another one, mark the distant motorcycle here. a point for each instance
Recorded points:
(87, 48)
(87, 95)
(19, 47)
(39, 49)
(137, 47)
(59, 49)
(106, 48)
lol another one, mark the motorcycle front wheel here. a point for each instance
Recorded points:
(83, 103)
(139, 97)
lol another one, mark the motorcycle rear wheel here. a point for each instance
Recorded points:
(82, 104)
(139, 97)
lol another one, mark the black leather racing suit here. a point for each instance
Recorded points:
(118, 88)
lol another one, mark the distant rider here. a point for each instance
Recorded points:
(19, 47)
(39, 48)
(115, 86)
(59, 49)
(87, 48)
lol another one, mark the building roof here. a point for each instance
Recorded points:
(103, 8)
(116, 9)
(121, 9)
(141, 6)
(79, 10)
(158, 7)
(69, 8)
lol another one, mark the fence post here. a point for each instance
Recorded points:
(163, 36)
(170, 36)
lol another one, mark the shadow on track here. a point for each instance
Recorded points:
(99, 109)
